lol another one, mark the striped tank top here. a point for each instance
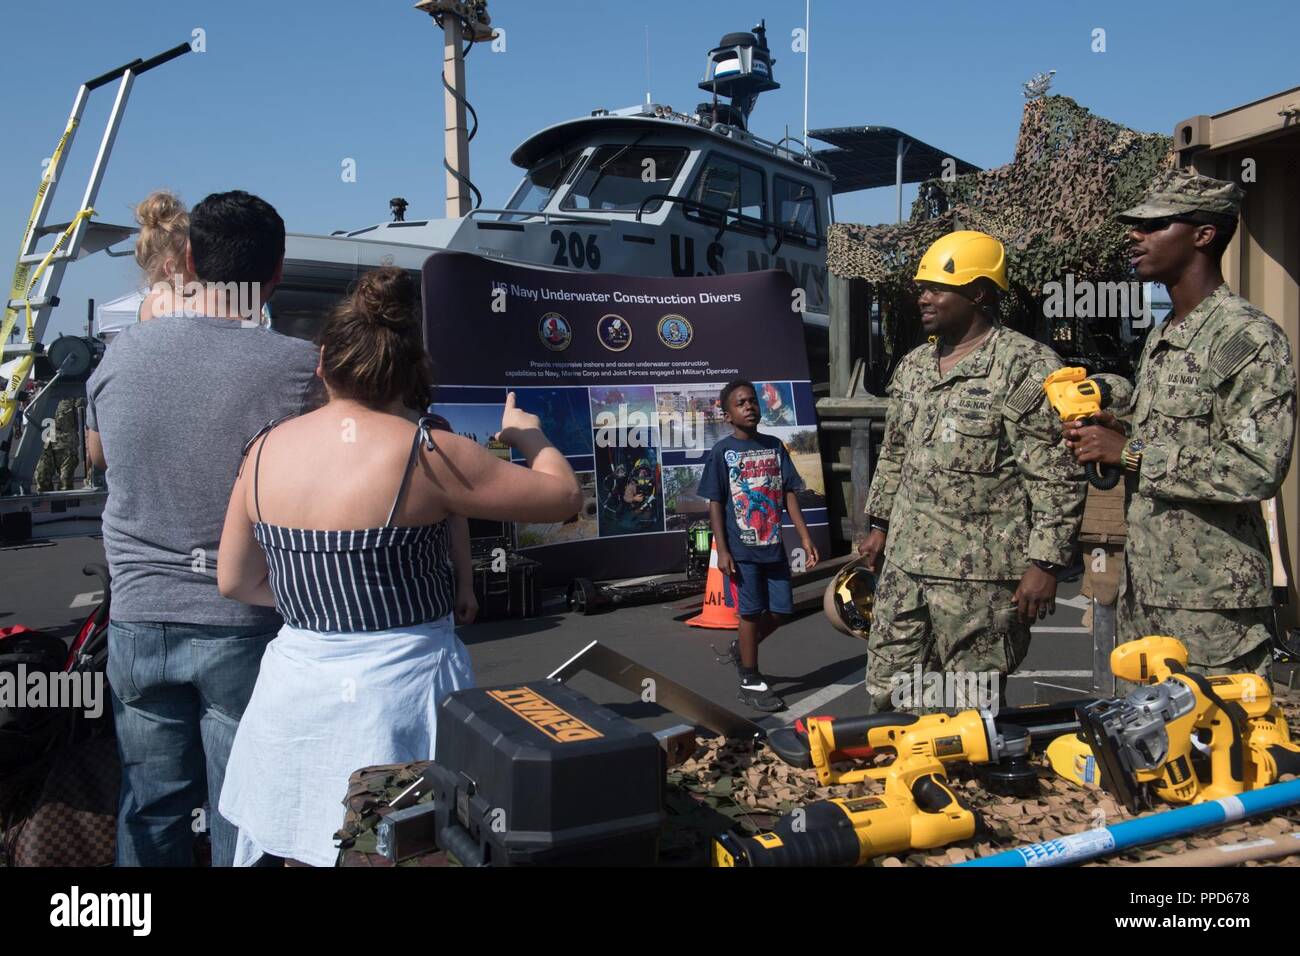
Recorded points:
(369, 579)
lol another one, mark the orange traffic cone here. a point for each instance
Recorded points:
(720, 599)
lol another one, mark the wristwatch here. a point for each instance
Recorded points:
(1046, 566)
(1131, 455)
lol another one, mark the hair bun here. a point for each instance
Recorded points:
(386, 297)
(164, 230)
(158, 209)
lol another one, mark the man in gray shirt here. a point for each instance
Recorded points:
(168, 412)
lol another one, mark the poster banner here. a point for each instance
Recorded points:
(624, 373)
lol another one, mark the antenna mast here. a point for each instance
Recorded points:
(463, 24)
(647, 64)
(807, 53)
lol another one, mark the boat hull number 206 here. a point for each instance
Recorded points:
(575, 250)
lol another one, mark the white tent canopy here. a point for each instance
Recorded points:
(112, 317)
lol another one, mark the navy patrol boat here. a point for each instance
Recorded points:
(646, 190)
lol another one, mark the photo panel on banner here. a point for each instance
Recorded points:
(624, 373)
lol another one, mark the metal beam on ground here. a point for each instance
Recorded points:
(631, 675)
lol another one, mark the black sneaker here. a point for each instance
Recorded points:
(758, 695)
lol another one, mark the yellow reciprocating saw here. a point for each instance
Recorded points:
(1077, 398)
(977, 737)
(918, 810)
(1185, 737)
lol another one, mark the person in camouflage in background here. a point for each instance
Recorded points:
(974, 503)
(1209, 437)
(62, 453)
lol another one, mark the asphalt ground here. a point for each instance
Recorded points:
(816, 669)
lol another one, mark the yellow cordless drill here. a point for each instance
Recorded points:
(1077, 398)
(918, 810)
(1185, 737)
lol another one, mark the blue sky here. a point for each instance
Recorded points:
(289, 89)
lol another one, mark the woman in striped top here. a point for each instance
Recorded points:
(338, 519)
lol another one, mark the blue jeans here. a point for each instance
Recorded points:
(178, 693)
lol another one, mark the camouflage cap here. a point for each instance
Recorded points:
(1185, 192)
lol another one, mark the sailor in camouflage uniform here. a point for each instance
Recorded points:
(1210, 437)
(62, 452)
(975, 504)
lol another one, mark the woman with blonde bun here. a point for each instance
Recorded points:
(160, 251)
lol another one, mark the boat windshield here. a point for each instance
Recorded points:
(618, 178)
(539, 184)
(301, 309)
(796, 206)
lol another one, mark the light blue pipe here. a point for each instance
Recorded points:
(1161, 826)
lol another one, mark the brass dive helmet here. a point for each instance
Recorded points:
(848, 600)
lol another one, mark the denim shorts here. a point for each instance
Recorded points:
(764, 586)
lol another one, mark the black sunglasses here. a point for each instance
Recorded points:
(1147, 226)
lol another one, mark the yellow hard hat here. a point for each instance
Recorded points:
(962, 257)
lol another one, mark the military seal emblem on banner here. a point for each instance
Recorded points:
(555, 331)
(614, 332)
(675, 331)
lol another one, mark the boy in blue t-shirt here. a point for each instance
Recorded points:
(749, 479)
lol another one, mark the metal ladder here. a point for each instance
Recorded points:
(34, 290)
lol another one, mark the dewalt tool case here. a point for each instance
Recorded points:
(536, 773)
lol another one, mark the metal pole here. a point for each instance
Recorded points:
(898, 179)
(83, 460)
(456, 139)
(1164, 825)
(647, 64)
(1103, 642)
(101, 160)
(807, 30)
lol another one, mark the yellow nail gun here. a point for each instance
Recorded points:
(918, 810)
(1077, 398)
(1185, 737)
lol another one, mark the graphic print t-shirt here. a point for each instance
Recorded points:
(750, 479)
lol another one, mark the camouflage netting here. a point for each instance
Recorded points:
(1052, 207)
(736, 784)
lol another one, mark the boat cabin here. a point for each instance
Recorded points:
(646, 190)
